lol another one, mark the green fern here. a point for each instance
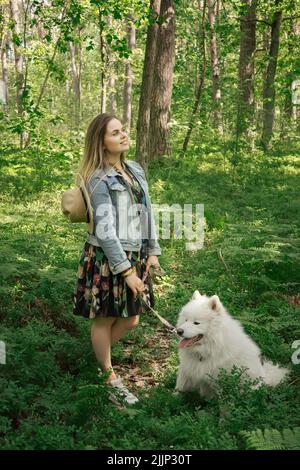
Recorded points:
(272, 439)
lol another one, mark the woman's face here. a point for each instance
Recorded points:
(115, 139)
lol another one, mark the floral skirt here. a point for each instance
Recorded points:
(98, 292)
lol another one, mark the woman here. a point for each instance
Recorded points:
(114, 282)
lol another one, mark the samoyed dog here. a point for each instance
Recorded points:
(212, 340)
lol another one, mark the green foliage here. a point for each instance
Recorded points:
(51, 397)
(272, 439)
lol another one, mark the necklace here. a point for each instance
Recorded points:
(112, 167)
(116, 163)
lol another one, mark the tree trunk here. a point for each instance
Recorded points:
(269, 85)
(296, 102)
(245, 106)
(76, 83)
(111, 78)
(4, 82)
(15, 16)
(127, 91)
(163, 79)
(19, 64)
(111, 88)
(202, 79)
(78, 54)
(3, 49)
(287, 113)
(215, 72)
(103, 64)
(143, 121)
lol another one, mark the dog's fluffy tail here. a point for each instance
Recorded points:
(274, 374)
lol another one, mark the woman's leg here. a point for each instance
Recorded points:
(122, 325)
(104, 332)
(101, 333)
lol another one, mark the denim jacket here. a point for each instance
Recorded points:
(119, 224)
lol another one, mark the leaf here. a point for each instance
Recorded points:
(272, 439)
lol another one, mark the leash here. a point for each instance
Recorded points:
(168, 325)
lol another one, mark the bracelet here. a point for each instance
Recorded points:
(128, 272)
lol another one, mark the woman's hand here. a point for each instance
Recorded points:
(135, 284)
(152, 262)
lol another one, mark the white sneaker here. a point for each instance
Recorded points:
(121, 392)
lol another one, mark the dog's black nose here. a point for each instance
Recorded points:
(179, 331)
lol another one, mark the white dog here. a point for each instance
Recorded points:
(213, 340)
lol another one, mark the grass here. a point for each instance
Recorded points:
(50, 395)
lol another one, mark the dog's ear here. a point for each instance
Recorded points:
(196, 295)
(215, 303)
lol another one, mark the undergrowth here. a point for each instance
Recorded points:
(51, 396)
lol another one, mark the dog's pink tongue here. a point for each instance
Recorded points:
(185, 342)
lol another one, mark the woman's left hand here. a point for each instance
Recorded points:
(152, 261)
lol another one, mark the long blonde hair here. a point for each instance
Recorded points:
(94, 156)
